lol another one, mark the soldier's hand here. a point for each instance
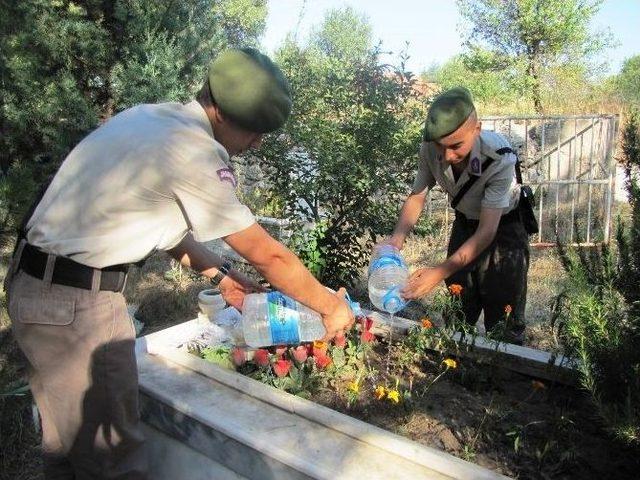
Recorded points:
(340, 319)
(235, 286)
(421, 282)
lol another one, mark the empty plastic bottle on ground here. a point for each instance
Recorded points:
(275, 319)
(388, 273)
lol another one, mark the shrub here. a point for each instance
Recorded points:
(599, 312)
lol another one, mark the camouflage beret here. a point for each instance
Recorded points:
(448, 111)
(250, 89)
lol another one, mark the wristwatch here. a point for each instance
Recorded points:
(222, 272)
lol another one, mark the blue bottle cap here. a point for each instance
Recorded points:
(392, 302)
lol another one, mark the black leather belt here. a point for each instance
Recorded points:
(33, 261)
(507, 218)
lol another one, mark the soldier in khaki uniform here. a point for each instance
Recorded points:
(488, 252)
(154, 177)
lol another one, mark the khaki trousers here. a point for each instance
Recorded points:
(82, 371)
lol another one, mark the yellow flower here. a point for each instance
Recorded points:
(354, 387)
(380, 392)
(426, 323)
(455, 289)
(538, 385)
(394, 396)
(450, 363)
(320, 345)
(507, 309)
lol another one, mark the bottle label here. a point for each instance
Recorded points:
(283, 319)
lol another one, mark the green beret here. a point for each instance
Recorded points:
(250, 89)
(448, 111)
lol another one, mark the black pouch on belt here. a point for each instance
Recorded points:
(525, 204)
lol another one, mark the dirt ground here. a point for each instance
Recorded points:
(495, 418)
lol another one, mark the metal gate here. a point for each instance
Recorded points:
(569, 162)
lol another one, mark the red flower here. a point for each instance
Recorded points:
(340, 340)
(455, 289)
(280, 349)
(367, 337)
(309, 347)
(299, 353)
(367, 323)
(320, 348)
(238, 356)
(323, 361)
(282, 367)
(261, 357)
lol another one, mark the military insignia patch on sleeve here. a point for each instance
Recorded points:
(227, 175)
(476, 167)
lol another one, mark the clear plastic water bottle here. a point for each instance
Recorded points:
(388, 273)
(275, 319)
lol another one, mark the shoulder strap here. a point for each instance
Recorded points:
(474, 178)
(502, 151)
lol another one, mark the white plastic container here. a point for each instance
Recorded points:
(388, 273)
(211, 302)
(275, 319)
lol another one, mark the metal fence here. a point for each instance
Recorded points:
(569, 162)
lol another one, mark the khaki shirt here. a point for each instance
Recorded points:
(140, 183)
(496, 188)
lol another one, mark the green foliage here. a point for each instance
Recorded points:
(599, 312)
(308, 243)
(485, 82)
(344, 35)
(346, 155)
(629, 240)
(534, 38)
(16, 190)
(218, 355)
(65, 66)
(628, 81)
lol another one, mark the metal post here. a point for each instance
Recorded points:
(611, 137)
(589, 187)
(572, 156)
(558, 177)
(542, 148)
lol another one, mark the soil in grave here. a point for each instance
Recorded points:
(501, 420)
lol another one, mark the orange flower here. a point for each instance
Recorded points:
(261, 357)
(455, 289)
(426, 323)
(323, 361)
(238, 356)
(538, 385)
(340, 340)
(282, 367)
(319, 348)
(367, 323)
(367, 337)
(507, 309)
(380, 392)
(299, 353)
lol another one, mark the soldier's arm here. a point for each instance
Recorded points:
(476, 244)
(286, 273)
(422, 281)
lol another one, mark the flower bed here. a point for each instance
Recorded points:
(513, 424)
